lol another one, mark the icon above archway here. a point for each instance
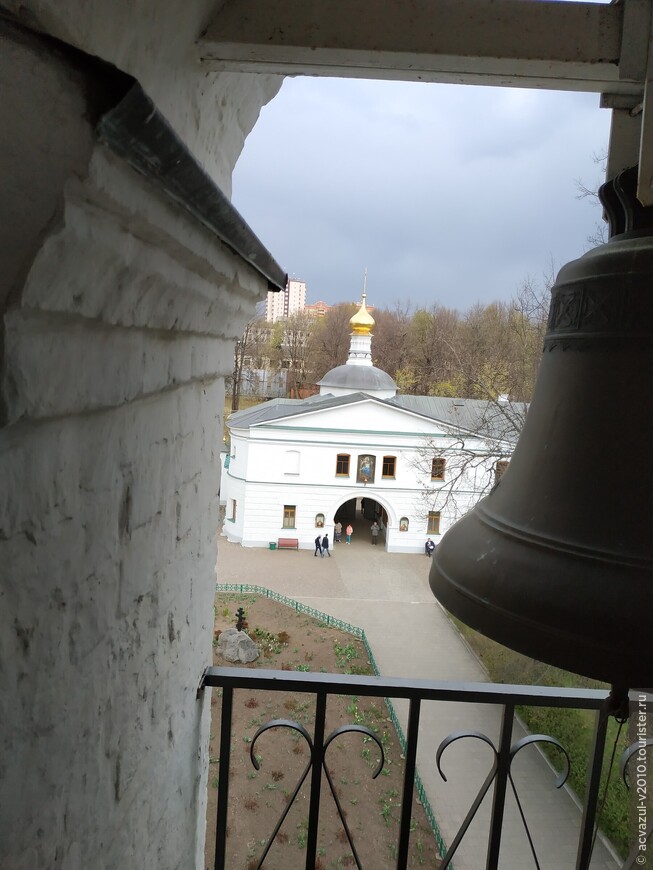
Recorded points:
(366, 468)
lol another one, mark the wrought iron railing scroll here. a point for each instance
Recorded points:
(508, 697)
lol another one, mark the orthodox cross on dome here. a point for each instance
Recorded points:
(362, 323)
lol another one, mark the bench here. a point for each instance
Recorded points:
(288, 544)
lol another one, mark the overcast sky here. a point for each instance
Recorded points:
(448, 194)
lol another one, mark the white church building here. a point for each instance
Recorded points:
(356, 453)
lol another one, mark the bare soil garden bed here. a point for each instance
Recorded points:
(292, 641)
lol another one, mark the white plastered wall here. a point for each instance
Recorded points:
(119, 315)
(262, 478)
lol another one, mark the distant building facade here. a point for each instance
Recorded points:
(357, 453)
(283, 305)
(280, 306)
(318, 309)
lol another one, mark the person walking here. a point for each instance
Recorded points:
(337, 532)
(348, 533)
(375, 531)
(429, 546)
(325, 546)
(318, 546)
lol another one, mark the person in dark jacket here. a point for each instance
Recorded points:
(429, 546)
(325, 546)
(318, 546)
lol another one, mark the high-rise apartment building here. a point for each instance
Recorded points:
(282, 305)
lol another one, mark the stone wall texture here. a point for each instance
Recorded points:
(119, 314)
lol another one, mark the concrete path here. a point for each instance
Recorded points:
(387, 594)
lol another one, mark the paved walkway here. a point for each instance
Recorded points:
(389, 597)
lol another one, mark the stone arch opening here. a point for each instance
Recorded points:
(361, 509)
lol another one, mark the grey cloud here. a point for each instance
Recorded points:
(445, 194)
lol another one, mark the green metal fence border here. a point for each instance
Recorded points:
(251, 589)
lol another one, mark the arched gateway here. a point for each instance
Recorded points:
(363, 510)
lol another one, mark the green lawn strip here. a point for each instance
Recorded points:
(573, 728)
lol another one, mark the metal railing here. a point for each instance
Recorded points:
(508, 697)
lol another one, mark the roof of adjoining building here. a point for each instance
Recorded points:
(491, 419)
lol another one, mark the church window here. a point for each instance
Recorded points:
(289, 511)
(234, 505)
(342, 465)
(389, 466)
(500, 469)
(433, 524)
(438, 466)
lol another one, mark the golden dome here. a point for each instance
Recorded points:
(362, 323)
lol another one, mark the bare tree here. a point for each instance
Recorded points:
(583, 191)
(290, 348)
(484, 350)
(496, 350)
(330, 339)
(243, 350)
(430, 367)
(529, 313)
(475, 452)
(390, 345)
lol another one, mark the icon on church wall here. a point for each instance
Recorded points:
(366, 467)
(403, 524)
(319, 521)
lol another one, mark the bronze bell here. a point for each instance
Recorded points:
(557, 562)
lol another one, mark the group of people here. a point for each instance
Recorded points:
(322, 546)
(337, 533)
(322, 543)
